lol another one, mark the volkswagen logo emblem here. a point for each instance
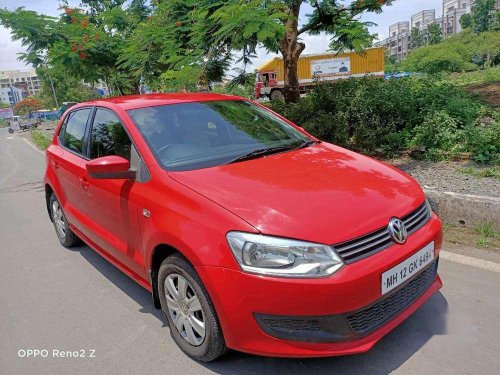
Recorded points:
(397, 230)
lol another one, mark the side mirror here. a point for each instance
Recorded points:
(110, 167)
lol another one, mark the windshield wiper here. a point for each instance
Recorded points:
(260, 152)
(308, 143)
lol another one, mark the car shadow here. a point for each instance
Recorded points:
(387, 355)
(122, 281)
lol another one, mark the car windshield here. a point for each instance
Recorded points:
(199, 135)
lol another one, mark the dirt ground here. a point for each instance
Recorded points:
(488, 92)
(450, 176)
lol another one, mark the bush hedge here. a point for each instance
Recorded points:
(389, 116)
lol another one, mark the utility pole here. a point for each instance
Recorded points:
(53, 90)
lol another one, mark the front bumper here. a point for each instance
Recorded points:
(243, 302)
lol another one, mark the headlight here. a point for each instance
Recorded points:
(282, 257)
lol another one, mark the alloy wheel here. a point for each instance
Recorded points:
(58, 217)
(185, 309)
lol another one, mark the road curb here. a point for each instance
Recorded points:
(465, 209)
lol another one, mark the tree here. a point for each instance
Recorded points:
(85, 42)
(416, 38)
(27, 106)
(67, 88)
(189, 33)
(275, 25)
(435, 33)
(483, 15)
(466, 21)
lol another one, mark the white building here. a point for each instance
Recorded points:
(26, 80)
(452, 11)
(11, 95)
(422, 20)
(397, 42)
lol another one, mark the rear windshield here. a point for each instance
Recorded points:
(206, 134)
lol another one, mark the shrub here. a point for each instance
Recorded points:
(387, 116)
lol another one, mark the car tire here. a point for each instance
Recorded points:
(276, 94)
(65, 235)
(178, 312)
(11, 130)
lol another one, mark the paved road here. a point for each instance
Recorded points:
(58, 299)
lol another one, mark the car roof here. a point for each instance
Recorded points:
(151, 100)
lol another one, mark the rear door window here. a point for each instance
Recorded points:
(73, 133)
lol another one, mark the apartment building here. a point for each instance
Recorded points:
(422, 20)
(25, 80)
(398, 40)
(452, 11)
(11, 95)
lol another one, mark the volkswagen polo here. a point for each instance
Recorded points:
(248, 232)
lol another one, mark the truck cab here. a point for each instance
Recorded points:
(265, 82)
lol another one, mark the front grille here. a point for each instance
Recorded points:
(369, 244)
(369, 319)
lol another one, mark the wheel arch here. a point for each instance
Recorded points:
(48, 193)
(158, 255)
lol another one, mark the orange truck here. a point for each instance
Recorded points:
(316, 68)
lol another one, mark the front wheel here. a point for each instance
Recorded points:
(276, 94)
(191, 316)
(11, 130)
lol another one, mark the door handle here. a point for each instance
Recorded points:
(55, 164)
(84, 182)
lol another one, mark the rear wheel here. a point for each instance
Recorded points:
(190, 313)
(11, 130)
(64, 233)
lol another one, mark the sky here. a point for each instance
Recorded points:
(401, 10)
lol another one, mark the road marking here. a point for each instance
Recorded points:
(9, 137)
(33, 146)
(470, 261)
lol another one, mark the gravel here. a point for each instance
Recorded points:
(445, 176)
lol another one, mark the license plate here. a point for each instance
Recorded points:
(408, 268)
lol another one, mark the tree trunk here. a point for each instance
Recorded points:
(291, 49)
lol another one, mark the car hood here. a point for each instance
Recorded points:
(321, 193)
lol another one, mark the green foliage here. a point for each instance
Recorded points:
(483, 16)
(476, 77)
(416, 38)
(186, 79)
(387, 116)
(487, 230)
(40, 139)
(439, 131)
(67, 88)
(435, 33)
(204, 35)
(466, 21)
(84, 43)
(461, 52)
(493, 172)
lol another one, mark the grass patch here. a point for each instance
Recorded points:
(4, 123)
(493, 172)
(478, 77)
(483, 236)
(487, 230)
(40, 139)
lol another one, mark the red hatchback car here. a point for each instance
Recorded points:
(249, 233)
